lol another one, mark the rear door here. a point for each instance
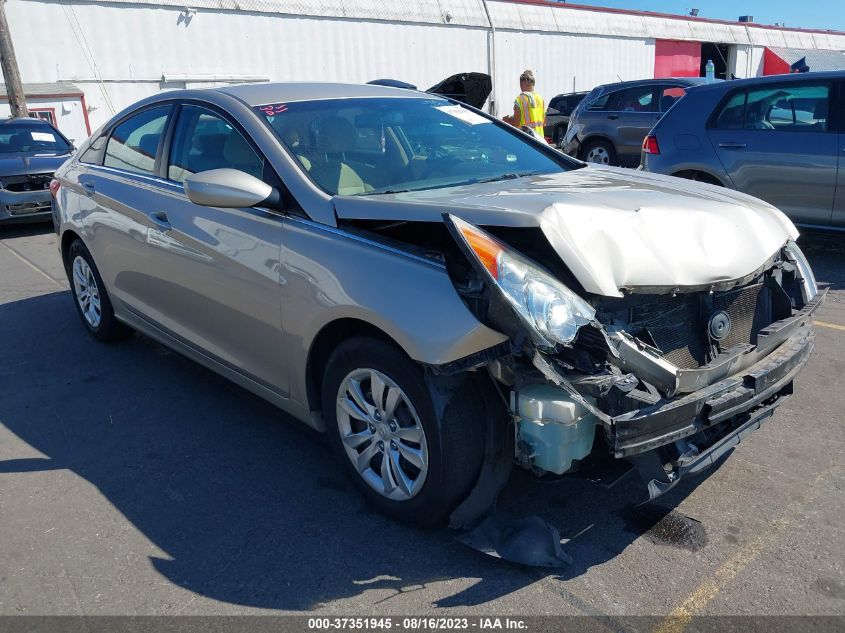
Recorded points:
(632, 112)
(776, 142)
(118, 193)
(214, 279)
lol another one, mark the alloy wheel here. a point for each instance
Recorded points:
(86, 291)
(598, 155)
(382, 434)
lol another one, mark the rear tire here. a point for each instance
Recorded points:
(599, 152)
(444, 441)
(699, 176)
(90, 297)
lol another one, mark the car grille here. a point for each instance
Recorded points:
(679, 326)
(27, 182)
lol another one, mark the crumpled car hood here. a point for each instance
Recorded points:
(614, 228)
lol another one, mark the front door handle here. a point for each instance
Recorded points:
(612, 117)
(88, 188)
(159, 218)
(730, 145)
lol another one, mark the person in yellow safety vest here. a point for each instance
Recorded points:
(529, 109)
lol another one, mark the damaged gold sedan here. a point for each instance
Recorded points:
(442, 294)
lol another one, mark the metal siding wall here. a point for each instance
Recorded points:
(120, 52)
(69, 117)
(239, 45)
(557, 59)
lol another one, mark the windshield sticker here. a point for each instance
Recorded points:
(43, 136)
(467, 116)
(272, 109)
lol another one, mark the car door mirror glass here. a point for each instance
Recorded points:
(229, 188)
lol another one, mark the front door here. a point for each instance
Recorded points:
(776, 143)
(217, 284)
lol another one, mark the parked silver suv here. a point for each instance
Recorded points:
(440, 293)
(779, 138)
(609, 125)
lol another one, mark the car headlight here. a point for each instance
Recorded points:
(810, 289)
(550, 310)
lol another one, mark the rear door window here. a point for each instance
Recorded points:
(640, 99)
(732, 113)
(789, 108)
(669, 95)
(204, 140)
(133, 144)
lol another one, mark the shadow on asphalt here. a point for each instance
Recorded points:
(28, 229)
(247, 502)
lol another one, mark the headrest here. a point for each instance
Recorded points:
(334, 135)
(148, 144)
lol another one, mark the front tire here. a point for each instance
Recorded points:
(90, 297)
(412, 460)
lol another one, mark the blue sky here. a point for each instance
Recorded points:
(809, 14)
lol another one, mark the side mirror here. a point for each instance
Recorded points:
(229, 188)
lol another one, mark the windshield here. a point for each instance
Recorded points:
(29, 139)
(388, 145)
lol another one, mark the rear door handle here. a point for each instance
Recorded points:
(612, 117)
(159, 218)
(729, 145)
(88, 188)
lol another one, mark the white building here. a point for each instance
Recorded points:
(119, 51)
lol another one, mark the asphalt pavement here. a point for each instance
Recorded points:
(134, 482)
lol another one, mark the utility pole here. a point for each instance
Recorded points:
(9, 63)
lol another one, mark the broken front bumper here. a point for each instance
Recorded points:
(745, 392)
(24, 206)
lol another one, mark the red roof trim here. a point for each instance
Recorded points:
(671, 16)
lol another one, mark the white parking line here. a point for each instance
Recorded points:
(832, 326)
(33, 266)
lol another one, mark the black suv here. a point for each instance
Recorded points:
(558, 113)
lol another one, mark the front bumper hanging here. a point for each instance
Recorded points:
(743, 392)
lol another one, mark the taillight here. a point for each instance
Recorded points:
(54, 187)
(650, 145)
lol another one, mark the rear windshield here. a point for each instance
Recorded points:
(28, 139)
(386, 145)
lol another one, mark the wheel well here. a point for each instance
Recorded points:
(699, 176)
(596, 137)
(67, 239)
(325, 343)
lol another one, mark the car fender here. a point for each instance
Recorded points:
(328, 275)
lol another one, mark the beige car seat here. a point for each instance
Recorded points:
(335, 136)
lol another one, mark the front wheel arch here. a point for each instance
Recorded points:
(326, 341)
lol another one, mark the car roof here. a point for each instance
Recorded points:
(263, 93)
(769, 79)
(25, 120)
(689, 81)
